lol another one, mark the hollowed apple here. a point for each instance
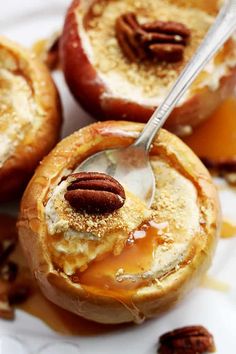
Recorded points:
(108, 85)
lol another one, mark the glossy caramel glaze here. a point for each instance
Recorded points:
(37, 305)
(228, 229)
(137, 257)
(214, 140)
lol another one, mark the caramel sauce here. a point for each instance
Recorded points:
(136, 257)
(56, 318)
(39, 47)
(212, 283)
(63, 321)
(47, 50)
(37, 305)
(215, 139)
(102, 275)
(228, 229)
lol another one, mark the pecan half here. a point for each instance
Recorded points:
(9, 271)
(6, 311)
(14, 293)
(187, 340)
(95, 192)
(7, 246)
(164, 41)
(15, 281)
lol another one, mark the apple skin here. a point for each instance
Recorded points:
(95, 97)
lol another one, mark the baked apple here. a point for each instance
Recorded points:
(96, 249)
(30, 116)
(121, 57)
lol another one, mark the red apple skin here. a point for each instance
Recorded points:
(95, 97)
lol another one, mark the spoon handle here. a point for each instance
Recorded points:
(221, 30)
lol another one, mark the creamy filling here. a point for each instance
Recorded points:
(77, 239)
(18, 111)
(85, 237)
(145, 83)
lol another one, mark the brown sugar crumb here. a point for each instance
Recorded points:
(109, 59)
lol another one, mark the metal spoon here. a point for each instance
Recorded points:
(131, 165)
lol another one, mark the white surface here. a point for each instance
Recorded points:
(26, 21)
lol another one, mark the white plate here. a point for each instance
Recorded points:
(26, 21)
